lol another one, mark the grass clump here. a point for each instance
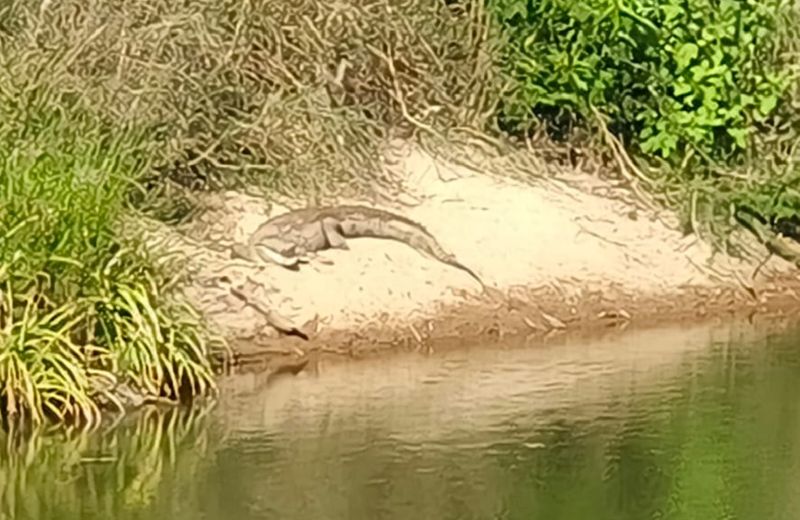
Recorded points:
(704, 92)
(82, 307)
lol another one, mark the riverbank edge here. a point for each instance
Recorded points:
(538, 320)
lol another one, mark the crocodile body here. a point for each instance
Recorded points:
(291, 237)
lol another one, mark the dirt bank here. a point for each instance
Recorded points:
(565, 250)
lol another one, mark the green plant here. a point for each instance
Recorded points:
(677, 77)
(144, 334)
(55, 358)
(80, 303)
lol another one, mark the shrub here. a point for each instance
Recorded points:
(677, 77)
(80, 303)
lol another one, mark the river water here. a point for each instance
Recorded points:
(691, 423)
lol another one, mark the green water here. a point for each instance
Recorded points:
(684, 424)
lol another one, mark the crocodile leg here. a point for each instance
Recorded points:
(333, 233)
(270, 255)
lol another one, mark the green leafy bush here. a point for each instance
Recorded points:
(676, 77)
(81, 307)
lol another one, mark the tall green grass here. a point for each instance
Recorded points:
(82, 307)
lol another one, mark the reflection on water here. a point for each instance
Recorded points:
(693, 423)
(105, 474)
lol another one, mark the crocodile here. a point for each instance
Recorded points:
(294, 237)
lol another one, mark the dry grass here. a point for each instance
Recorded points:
(292, 96)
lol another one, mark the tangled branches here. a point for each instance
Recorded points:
(293, 96)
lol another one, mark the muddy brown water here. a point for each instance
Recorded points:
(685, 423)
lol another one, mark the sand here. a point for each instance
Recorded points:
(564, 252)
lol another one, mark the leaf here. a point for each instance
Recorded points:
(671, 11)
(579, 82)
(515, 8)
(681, 88)
(685, 54)
(739, 136)
(767, 104)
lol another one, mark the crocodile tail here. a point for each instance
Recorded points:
(416, 236)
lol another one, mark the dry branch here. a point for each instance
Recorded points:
(292, 96)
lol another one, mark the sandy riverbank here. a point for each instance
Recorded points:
(567, 253)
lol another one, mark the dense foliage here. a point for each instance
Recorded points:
(704, 92)
(678, 76)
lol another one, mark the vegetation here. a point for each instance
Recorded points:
(109, 109)
(82, 307)
(704, 91)
(265, 92)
